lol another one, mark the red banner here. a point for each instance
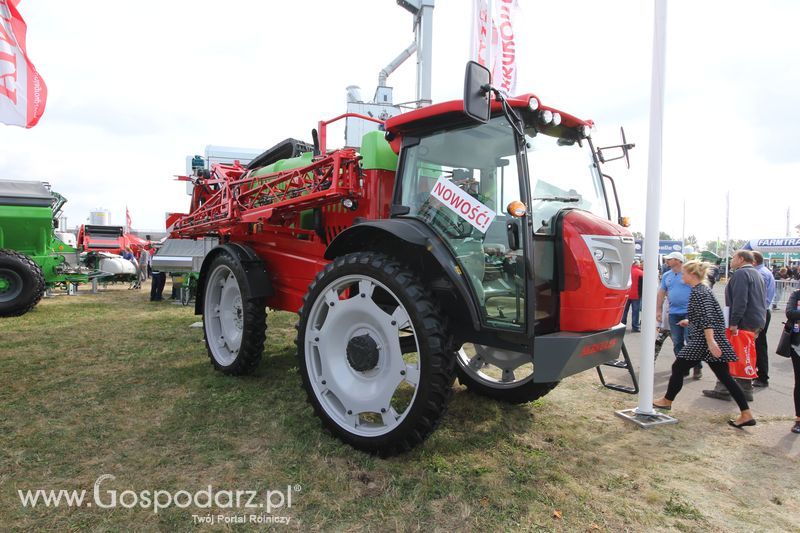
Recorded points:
(23, 93)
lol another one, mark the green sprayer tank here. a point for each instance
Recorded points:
(32, 258)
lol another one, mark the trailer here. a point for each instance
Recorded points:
(32, 257)
(475, 238)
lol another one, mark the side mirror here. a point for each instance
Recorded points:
(618, 151)
(477, 81)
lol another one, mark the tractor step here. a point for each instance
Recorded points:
(621, 388)
(624, 363)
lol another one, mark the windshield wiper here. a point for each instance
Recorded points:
(558, 199)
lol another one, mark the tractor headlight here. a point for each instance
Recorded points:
(546, 116)
(604, 270)
(533, 104)
(612, 257)
(556, 119)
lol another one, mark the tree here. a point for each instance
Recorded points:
(714, 246)
(664, 236)
(690, 240)
(718, 247)
(638, 235)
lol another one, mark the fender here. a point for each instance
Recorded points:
(257, 277)
(414, 233)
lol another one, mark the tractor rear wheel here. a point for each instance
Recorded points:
(499, 374)
(22, 283)
(235, 325)
(372, 354)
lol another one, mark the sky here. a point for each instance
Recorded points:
(135, 87)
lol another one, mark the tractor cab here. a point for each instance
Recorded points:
(518, 198)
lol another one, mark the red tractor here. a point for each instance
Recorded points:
(470, 238)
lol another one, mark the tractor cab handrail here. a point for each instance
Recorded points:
(323, 126)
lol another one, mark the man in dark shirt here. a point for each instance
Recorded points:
(745, 296)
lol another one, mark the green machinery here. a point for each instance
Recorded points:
(32, 258)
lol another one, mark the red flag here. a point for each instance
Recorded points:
(127, 218)
(23, 93)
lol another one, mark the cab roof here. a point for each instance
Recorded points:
(452, 113)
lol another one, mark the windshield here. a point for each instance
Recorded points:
(562, 175)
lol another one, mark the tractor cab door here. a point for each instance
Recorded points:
(459, 182)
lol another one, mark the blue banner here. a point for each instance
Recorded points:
(664, 247)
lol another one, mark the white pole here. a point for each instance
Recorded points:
(490, 44)
(727, 231)
(647, 363)
(424, 52)
(683, 229)
(788, 234)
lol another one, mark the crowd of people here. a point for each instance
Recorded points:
(790, 273)
(690, 314)
(142, 264)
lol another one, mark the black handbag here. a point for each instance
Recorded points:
(785, 343)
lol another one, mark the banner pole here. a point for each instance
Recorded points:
(644, 415)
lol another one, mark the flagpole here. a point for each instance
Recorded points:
(683, 228)
(727, 231)
(644, 415)
(490, 44)
(788, 234)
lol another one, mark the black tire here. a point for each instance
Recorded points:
(250, 318)
(428, 340)
(525, 393)
(22, 283)
(478, 382)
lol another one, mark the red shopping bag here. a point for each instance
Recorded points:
(744, 344)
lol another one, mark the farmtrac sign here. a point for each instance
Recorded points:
(783, 245)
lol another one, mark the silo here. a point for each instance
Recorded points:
(99, 217)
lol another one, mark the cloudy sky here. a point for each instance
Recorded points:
(135, 87)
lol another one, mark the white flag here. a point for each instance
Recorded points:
(493, 35)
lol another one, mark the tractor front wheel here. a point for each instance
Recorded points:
(499, 374)
(235, 324)
(372, 354)
(22, 283)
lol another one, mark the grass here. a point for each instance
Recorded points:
(113, 384)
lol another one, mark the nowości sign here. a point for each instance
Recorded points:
(462, 204)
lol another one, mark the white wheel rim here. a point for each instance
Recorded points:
(223, 315)
(369, 402)
(494, 367)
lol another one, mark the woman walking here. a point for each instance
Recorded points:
(793, 315)
(707, 343)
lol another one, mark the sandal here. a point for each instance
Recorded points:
(751, 422)
(796, 427)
